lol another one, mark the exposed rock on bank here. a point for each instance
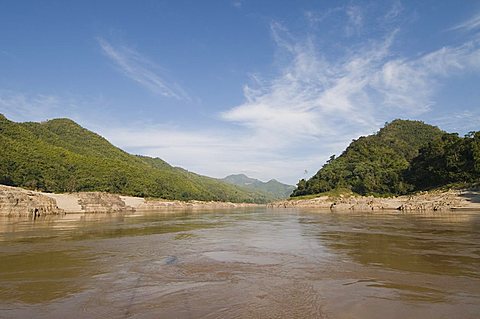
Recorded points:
(17, 202)
(424, 201)
(90, 202)
(97, 202)
(341, 203)
(152, 205)
(141, 204)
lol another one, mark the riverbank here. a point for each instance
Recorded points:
(424, 201)
(19, 202)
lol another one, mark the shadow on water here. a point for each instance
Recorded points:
(471, 196)
(445, 245)
(101, 226)
(37, 277)
(45, 259)
(413, 293)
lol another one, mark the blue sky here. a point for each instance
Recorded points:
(266, 88)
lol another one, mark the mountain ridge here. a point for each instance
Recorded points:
(273, 188)
(59, 155)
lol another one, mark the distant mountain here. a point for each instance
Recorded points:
(402, 157)
(273, 188)
(242, 180)
(61, 156)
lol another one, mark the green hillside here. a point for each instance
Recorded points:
(449, 159)
(403, 156)
(61, 156)
(273, 188)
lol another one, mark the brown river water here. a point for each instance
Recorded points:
(242, 263)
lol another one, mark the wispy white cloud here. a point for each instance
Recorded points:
(460, 121)
(314, 17)
(237, 3)
(313, 96)
(355, 19)
(411, 84)
(213, 152)
(352, 23)
(293, 121)
(315, 99)
(312, 109)
(25, 107)
(141, 70)
(469, 25)
(395, 11)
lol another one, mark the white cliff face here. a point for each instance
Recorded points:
(23, 203)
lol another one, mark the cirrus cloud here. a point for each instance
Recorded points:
(318, 97)
(141, 70)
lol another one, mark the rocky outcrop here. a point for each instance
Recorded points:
(17, 202)
(162, 204)
(141, 204)
(342, 203)
(424, 201)
(90, 202)
(97, 202)
(437, 201)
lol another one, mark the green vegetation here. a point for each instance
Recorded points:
(273, 189)
(445, 161)
(334, 193)
(403, 157)
(61, 156)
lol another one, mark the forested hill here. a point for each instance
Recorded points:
(402, 157)
(273, 188)
(61, 156)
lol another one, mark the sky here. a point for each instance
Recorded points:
(270, 89)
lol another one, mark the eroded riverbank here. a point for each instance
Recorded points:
(468, 199)
(17, 202)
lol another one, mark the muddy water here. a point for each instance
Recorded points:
(252, 263)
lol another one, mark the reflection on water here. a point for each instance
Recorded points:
(95, 226)
(245, 263)
(42, 276)
(439, 244)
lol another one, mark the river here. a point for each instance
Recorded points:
(242, 263)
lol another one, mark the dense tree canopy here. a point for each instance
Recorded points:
(446, 160)
(403, 156)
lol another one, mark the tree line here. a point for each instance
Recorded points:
(403, 157)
